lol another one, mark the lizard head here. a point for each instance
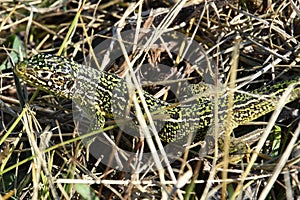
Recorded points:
(50, 73)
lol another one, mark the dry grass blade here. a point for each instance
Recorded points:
(51, 161)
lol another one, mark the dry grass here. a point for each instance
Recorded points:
(42, 154)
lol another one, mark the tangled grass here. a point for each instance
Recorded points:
(42, 154)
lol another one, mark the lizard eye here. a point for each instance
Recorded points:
(45, 75)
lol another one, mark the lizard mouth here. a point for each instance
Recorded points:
(20, 68)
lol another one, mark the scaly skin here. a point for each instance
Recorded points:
(107, 96)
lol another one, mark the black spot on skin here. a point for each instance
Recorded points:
(70, 84)
(175, 116)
